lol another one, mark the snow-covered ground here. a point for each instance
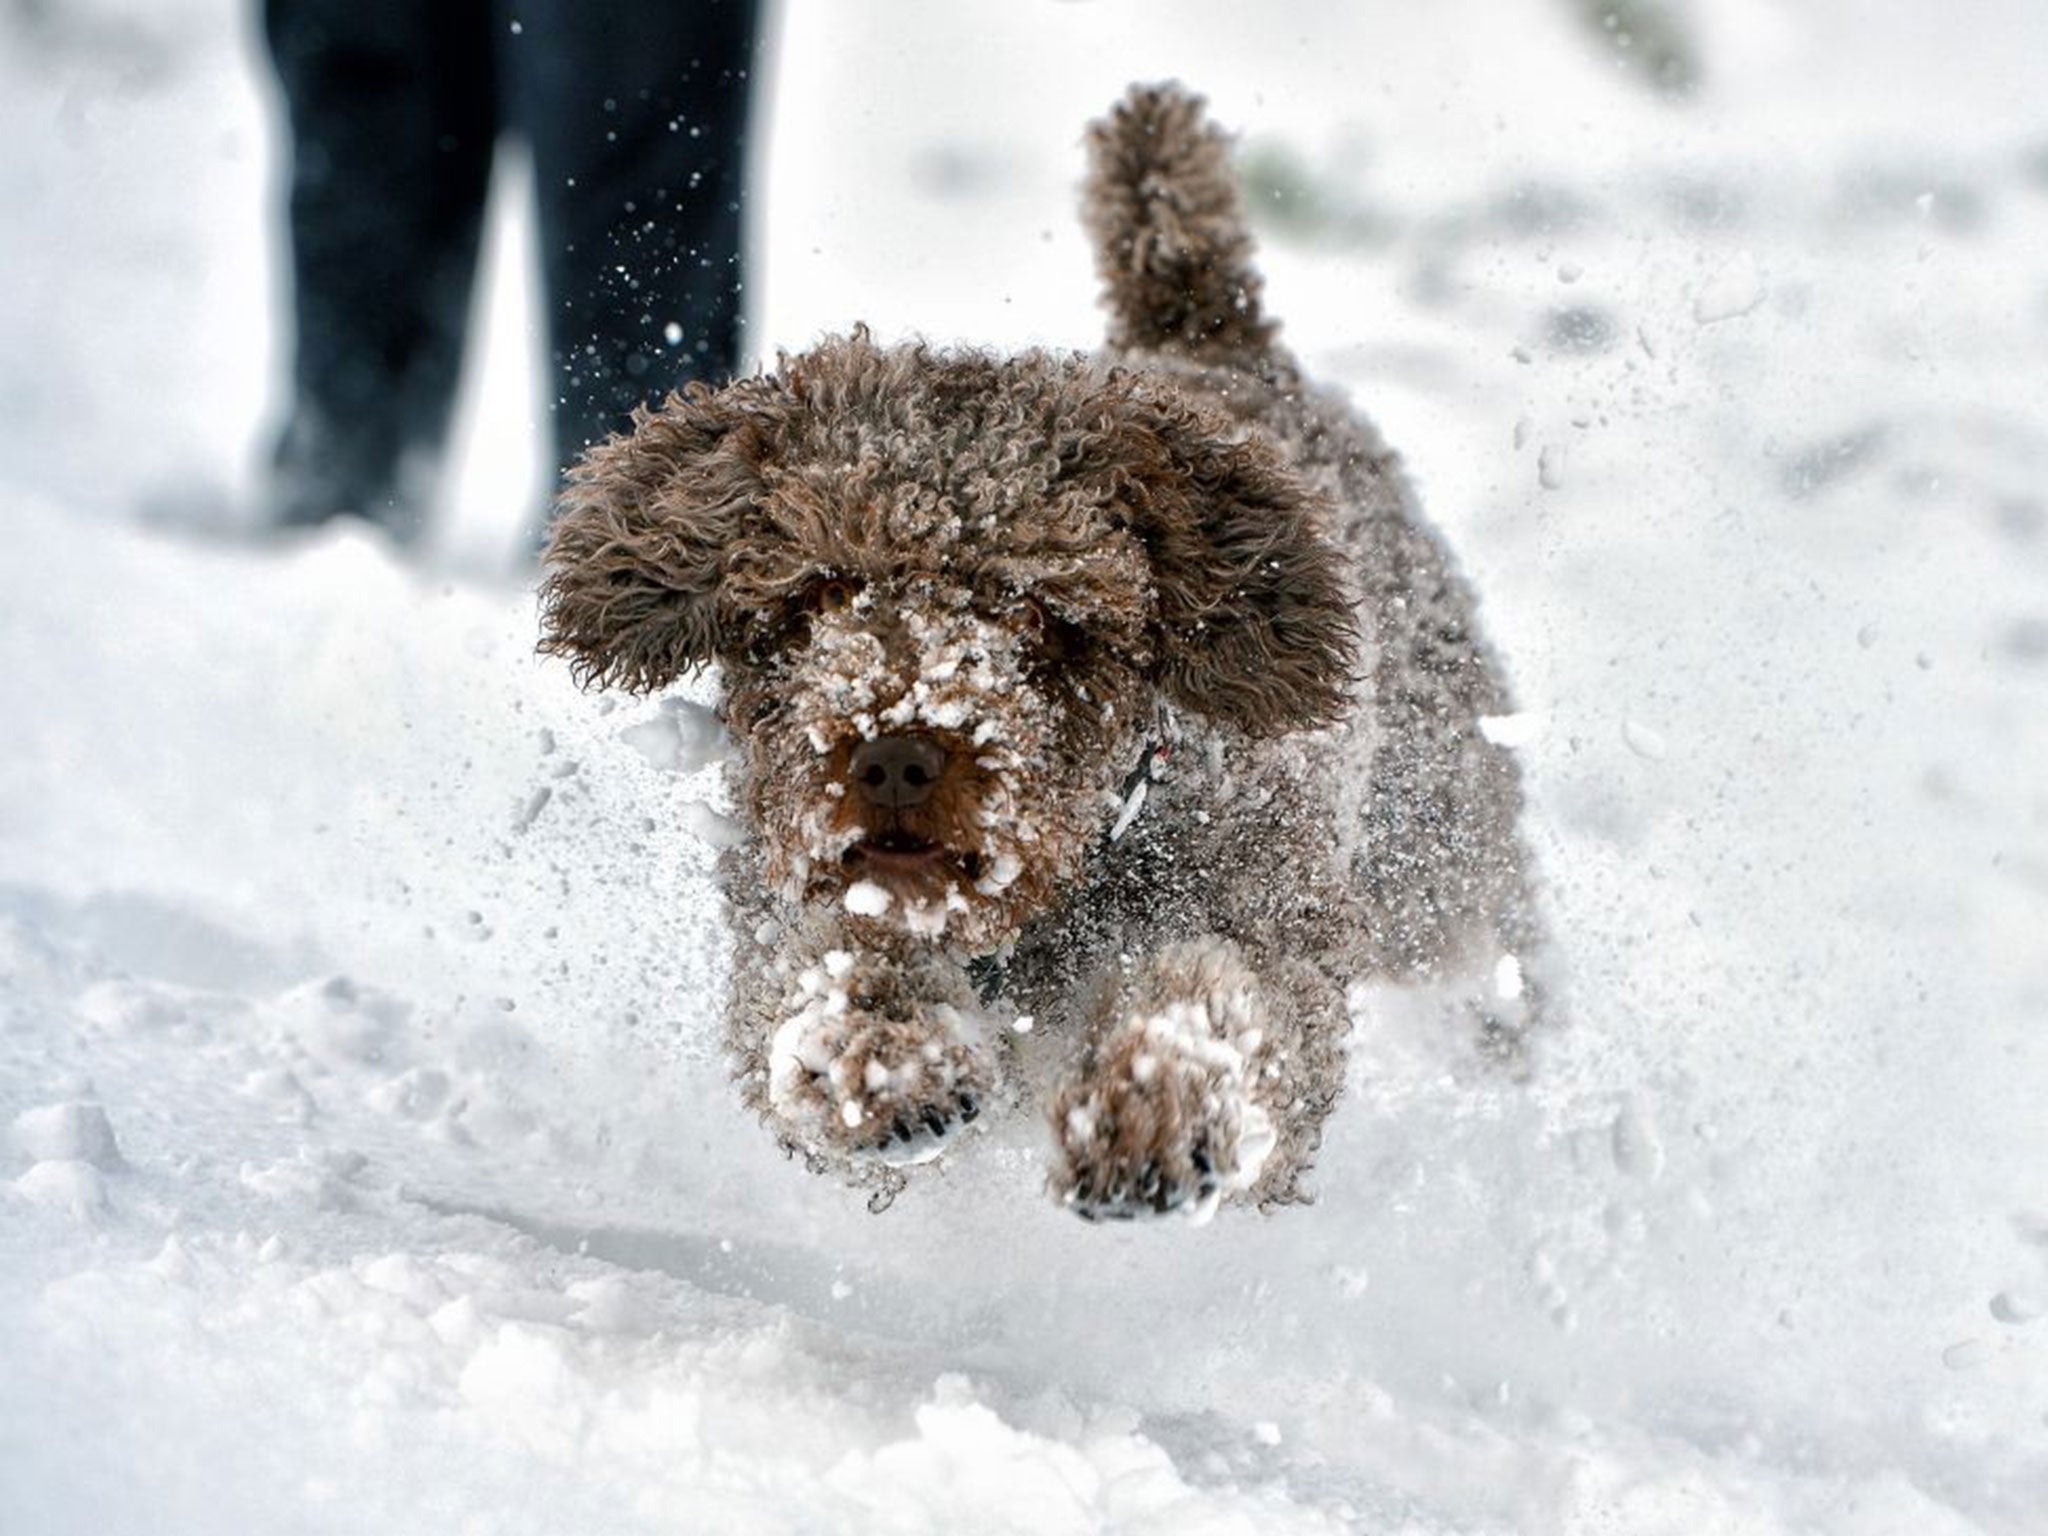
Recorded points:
(366, 1164)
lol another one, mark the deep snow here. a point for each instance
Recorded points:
(366, 1163)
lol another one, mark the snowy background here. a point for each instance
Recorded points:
(366, 1164)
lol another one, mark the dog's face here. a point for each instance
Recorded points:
(932, 737)
(947, 594)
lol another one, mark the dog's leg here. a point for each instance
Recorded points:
(858, 1058)
(1187, 1093)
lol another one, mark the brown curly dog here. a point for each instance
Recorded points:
(1127, 695)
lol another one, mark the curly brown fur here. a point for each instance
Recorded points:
(1170, 241)
(958, 601)
(636, 553)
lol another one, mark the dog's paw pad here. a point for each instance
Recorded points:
(1122, 1192)
(915, 1133)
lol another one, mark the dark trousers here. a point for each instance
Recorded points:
(635, 112)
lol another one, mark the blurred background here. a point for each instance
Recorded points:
(1715, 334)
(1433, 170)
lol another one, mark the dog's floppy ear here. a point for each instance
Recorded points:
(1256, 624)
(634, 556)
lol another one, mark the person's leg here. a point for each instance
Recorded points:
(637, 116)
(392, 108)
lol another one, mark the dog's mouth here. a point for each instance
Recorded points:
(905, 854)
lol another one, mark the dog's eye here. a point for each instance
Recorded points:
(835, 594)
(1051, 637)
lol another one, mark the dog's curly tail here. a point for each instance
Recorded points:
(1170, 237)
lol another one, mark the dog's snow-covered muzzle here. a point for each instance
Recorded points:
(919, 769)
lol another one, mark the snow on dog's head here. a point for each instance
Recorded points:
(947, 593)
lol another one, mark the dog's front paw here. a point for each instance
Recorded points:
(1159, 1122)
(861, 1071)
(900, 1091)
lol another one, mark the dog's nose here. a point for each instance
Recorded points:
(897, 771)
